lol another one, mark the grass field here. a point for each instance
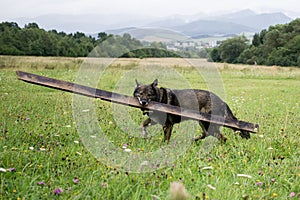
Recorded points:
(44, 156)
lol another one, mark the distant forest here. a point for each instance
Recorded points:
(34, 41)
(278, 45)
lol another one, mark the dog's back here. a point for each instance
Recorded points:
(203, 101)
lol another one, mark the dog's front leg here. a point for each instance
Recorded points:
(144, 126)
(167, 132)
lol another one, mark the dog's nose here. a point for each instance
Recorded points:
(144, 102)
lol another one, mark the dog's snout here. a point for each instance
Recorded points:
(144, 102)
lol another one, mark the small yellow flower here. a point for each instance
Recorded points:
(206, 197)
(274, 194)
(14, 191)
(270, 168)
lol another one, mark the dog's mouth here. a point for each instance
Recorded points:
(143, 102)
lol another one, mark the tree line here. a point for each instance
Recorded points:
(277, 45)
(35, 41)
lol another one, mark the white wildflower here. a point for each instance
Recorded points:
(127, 150)
(244, 175)
(144, 163)
(2, 170)
(211, 187)
(206, 168)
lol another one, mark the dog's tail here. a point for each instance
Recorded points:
(230, 116)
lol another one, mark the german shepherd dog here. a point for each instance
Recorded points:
(193, 99)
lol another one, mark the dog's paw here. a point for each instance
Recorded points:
(245, 134)
(144, 134)
(197, 138)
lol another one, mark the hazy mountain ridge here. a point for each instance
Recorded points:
(143, 27)
(212, 27)
(241, 21)
(260, 21)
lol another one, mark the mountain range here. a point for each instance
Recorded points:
(176, 27)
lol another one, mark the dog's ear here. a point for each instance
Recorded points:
(155, 83)
(137, 83)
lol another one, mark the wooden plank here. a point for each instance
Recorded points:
(133, 102)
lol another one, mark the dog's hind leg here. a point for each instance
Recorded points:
(210, 129)
(214, 130)
(167, 132)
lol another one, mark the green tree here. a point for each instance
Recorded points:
(249, 56)
(279, 45)
(271, 41)
(256, 40)
(214, 55)
(231, 49)
(280, 57)
(32, 25)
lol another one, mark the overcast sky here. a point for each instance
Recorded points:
(11, 9)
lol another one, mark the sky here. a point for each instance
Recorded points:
(12, 9)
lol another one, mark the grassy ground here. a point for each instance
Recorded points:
(44, 156)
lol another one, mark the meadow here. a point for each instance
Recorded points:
(47, 140)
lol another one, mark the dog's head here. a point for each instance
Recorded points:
(146, 93)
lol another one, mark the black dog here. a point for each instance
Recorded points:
(204, 101)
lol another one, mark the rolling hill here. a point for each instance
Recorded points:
(162, 29)
(244, 21)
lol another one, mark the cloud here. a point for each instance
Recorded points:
(32, 8)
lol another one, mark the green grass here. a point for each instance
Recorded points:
(40, 143)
